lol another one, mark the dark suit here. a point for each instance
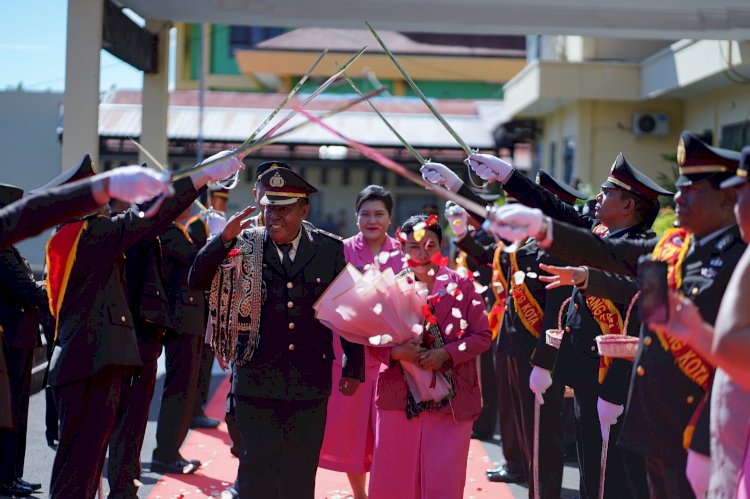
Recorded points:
(31, 215)
(97, 348)
(198, 230)
(662, 399)
(281, 394)
(21, 297)
(183, 344)
(150, 308)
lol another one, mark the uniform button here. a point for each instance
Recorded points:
(647, 340)
(23, 310)
(317, 279)
(695, 291)
(640, 371)
(291, 325)
(157, 292)
(191, 299)
(290, 305)
(528, 269)
(690, 399)
(593, 348)
(291, 347)
(324, 356)
(122, 319)
(567, 329)
(289, 285)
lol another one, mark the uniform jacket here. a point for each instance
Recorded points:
(662, 399)
(95, 325)
(578, 359)
(391, 391)
(147, 295)
(187, 305)
(294, 356)
(29, 216)
(21, 298)
(198, 230)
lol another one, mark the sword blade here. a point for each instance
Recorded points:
(535, 463)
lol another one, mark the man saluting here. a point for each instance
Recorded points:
(261, 305)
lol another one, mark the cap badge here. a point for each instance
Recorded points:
(681, 152)
(276, 181)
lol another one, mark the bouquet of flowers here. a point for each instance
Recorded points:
(381, 309)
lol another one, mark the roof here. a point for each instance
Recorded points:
(232, 117)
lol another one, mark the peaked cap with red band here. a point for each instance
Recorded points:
(625, 177)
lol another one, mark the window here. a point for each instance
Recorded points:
(569, 160)
(553, 159)
(345, 173)
(735, 136)
(247, 37)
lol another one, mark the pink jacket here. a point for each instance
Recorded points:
(467, 402)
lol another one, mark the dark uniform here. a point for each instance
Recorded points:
(519, 341)
(97, 348)
(21, 298)
(281, 393)
(150, 309)
(43, 209)
(183, 346)
(662, 399)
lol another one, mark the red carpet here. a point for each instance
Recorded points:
(219, 468)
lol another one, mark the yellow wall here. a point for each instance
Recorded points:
(717, 108)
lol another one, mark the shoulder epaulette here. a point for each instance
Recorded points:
(727, 240)
(315, 230)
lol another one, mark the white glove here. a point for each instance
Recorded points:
(215, 222)
(489, 167)
(608, 414)
(222, 169)
(539, 380)
(439, 174)
(134, 184)
(512, 222)
(698, 471)
(457, 218)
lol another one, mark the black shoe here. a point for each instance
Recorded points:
(178, 467)
(504, 475)
(482, 436)
(15, 490)
(204, 422)
(31, 485)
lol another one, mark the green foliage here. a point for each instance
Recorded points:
(664, 221)
(667, 181)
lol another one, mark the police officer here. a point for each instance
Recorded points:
(97, 348)
(200, 227)
(149, 306)
(665, 389)
(21, 299)
(282, 356)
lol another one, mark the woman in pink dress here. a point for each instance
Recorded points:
(350, 424)
(421, 448)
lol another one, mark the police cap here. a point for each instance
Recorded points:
(625, 177)
(558, 188)
(85, 168)
(742, 171)
(699, 160)
(283, 186)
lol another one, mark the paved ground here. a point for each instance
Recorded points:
(39, 456)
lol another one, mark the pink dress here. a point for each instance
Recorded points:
(743, 486)
(425, 457)
(350, 423)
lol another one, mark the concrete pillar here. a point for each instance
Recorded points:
(156, 98)
(82, 52)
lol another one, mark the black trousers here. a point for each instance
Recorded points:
(551, 451)
(13, 441)
(487, 420)
(183, 354)
(507, 415)
(88, 412)
(124, 463)
(204, 380)
(626, 470)
(281, 442)
(667, 479)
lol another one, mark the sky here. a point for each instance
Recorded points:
(32, 49)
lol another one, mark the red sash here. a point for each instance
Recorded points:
(500, 290)
(61, 255)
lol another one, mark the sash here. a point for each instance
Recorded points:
(672, 249)
(500, 290)
(197, 218)
(60, 256)
(236, 298)
(184, 230)
(527, 308)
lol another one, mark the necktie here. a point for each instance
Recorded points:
(286, 261)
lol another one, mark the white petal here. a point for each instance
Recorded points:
(456, 313)
(480, 288)
(463, 324)
(532, 275)
(383, 257)
(443, 277)
(476, 274)
(476, 302)
(462, 346)
(519, 277)
(431, 272)
(462, 272)
(459, 296)
(378, 308)
(417, 328)
(386, 338)
(448, 329)
(451, 287)
(375, 340)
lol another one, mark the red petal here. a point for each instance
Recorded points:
(432, 220)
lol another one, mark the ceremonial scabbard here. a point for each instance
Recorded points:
(535, 463)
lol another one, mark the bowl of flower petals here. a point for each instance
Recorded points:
(620, 346)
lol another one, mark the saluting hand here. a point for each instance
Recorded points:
(433, 360)
(408, 351)
(236, 224)
(563, 276)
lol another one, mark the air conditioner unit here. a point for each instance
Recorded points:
(656, 124)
